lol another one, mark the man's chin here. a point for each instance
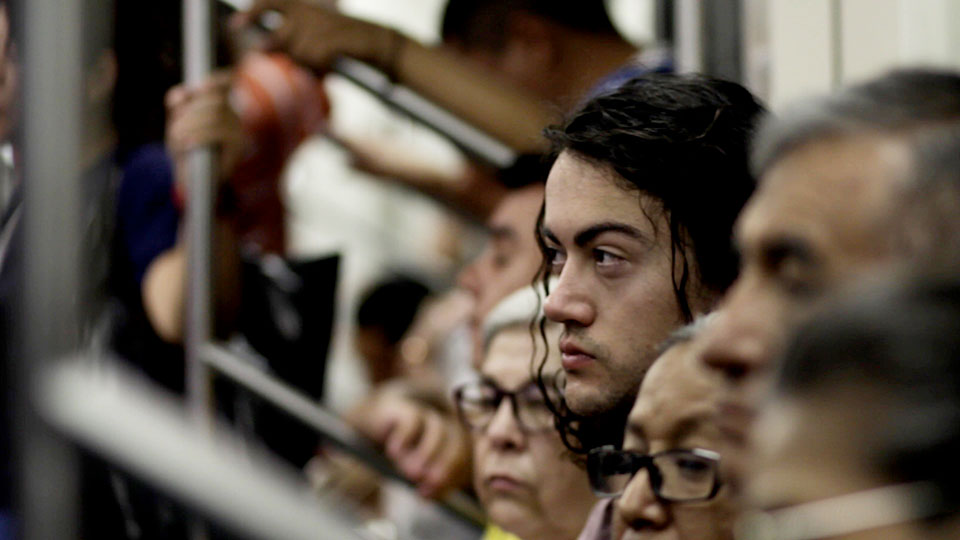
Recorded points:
(583, 398)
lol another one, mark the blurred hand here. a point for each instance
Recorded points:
(335, 471)
(199, 116)
(429, 447)
(314, 34)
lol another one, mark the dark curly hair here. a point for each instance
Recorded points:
(681, 140)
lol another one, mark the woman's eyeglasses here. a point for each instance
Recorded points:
(675, 475)
(478, 402)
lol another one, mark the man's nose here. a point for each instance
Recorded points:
(569, 301)
(639, 507)
(741, 341)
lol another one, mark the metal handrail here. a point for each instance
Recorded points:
(150, 435)
(472, 141)
(326, 424)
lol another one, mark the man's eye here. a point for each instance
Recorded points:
(793, 275)
(554, 260)
(791, 268)
(605, 258)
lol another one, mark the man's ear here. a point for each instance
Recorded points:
(535, 37)
(101, 77)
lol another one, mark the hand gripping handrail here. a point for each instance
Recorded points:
(331, 428)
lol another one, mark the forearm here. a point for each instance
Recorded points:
(315, 35)
(164, 285)
(496, 107)
(475, 194)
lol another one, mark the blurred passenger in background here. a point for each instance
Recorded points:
(385, 314)
(530, 60)
(522, 473)
(843, 196)
(667, 477)
(862, 436)
(636, 228)
(427, 445)
(562, 52)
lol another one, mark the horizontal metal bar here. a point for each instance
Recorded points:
(330, 427)
(471, 140)
(150, 435)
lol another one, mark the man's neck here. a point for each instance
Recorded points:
(607, 427)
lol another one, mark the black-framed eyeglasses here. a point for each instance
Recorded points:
(675, 475)
(478, 402)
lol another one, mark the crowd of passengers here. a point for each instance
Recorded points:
(692, 319)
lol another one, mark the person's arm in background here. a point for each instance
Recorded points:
(473, 190)
(314, 36)
(197, 117)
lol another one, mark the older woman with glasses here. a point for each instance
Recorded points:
(523, 475)
(666, 480)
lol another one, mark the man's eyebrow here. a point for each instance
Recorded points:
(776, 246)
(548, 234)
(583, 237)
(783, 247)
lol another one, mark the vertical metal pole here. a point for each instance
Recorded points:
(198, 60)
(688, 36)
(52, 93)
(664, 16)
(723, 38)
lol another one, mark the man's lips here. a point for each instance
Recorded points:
(573, 357)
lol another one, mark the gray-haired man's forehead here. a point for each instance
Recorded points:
(902, 100)
(931, 202)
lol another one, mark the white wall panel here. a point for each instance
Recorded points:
(801, 49)
(870, 37)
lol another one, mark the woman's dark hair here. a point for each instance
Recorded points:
(391, 306)
(682, 141)
(903, 343)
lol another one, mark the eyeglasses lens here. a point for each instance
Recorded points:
(685, 476)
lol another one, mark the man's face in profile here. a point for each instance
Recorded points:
(822, 218)
(608, 248)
